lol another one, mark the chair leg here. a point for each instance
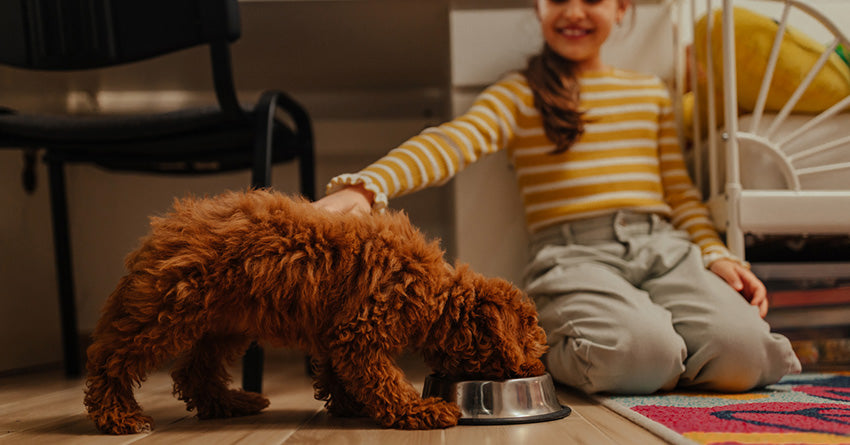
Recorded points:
(252, 361)
(252, 369)
(307, 173)
(261, 174)
(64, 275)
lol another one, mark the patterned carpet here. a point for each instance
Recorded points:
(800, 409)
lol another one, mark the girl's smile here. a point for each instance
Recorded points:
(576, 29)
(573, 32)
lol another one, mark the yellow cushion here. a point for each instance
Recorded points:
(797, 54)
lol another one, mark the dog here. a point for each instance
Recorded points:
(352, 291)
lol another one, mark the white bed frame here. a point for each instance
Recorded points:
(792, 210)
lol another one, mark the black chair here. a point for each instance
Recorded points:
(68, 35)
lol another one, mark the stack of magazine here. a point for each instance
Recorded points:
(810, 304)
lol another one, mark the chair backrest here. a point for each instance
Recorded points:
(84, 34)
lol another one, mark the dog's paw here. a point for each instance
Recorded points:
(233, 403)
(121, 423)
(430, 413)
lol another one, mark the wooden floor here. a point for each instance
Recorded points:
(45, 408)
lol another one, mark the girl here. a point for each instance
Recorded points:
(634, 288)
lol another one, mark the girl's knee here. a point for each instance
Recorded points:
(741, 358)
(639, 363)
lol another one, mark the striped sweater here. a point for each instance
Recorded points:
(628, 157)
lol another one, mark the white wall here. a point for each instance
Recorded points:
(29, 318)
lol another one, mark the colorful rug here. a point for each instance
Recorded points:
(800, 409)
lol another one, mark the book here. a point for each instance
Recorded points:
(822, 352)
(809, 297)
(808, 317)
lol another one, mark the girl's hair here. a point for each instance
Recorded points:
(553, 82)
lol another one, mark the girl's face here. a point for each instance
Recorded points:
(576, 29)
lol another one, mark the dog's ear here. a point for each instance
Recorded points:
(534, 344)
(450, 349)
(502, 328)
(511, 319)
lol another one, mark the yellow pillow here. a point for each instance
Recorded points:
(754, 39)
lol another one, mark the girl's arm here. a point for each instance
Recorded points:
(435, 155)
(688, 211)
(690, 214)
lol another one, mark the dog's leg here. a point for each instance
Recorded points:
(116, 363)
(112, 374)
(330, 389)
(201, 380)
(129, 341)
(373, 379)
(109, 385)
(112, 407)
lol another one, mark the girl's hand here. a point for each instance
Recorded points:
(744, 281)
(353, 199)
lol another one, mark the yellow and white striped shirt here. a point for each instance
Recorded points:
(628, 157)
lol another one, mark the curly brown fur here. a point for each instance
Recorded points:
(351, 291)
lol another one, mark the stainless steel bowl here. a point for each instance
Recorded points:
(526, 400)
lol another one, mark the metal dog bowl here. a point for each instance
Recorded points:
(496, 402)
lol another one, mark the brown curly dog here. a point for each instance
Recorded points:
(351, 291)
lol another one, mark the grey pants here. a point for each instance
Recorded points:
(628, 307)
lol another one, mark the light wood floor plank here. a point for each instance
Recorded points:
(617, 428)
(291, 406)
(61, 418)
(15, 388)
(50, 411)
(45, 408)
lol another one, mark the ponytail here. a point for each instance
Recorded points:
(553, 82)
